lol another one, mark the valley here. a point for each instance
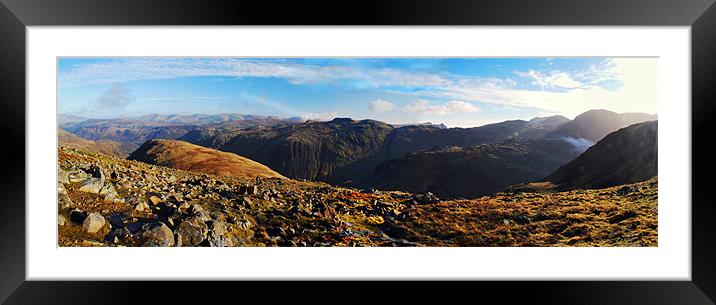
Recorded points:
(243, 180)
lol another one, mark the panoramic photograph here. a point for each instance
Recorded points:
(357, 152)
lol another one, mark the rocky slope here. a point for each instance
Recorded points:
(106, 201)
(187, 156)
(625, 156)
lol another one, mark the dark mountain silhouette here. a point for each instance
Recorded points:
(625, 156)
(410, 139)
(330, 151)
(344, 150)
(473, 171)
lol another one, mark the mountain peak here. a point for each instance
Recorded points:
(342, 120)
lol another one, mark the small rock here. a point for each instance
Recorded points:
(92, 185)
(141, 206)
(625, 190)
(63, 200)
(249, 190)
(107, 189)
(184, 207)
(199, 212)
(76, 176)
(62, 176)
(155, 200)
(216, 238)
(191, 232)
(246, 202)
(124, 183)
(61, 189)
(113, 198)
(157, 235)
(61, 220)
(178, 198)
(93, 223)
(166, 209)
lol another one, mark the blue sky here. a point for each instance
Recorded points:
(455, 91)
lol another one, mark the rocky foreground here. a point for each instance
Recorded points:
(106, 201)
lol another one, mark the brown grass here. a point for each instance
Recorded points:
(190, 157)
(602, 217)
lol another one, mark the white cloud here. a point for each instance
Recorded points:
(637, 92)
(425, 107)
(130, 69)
(567, 93)
(320, 116)
(551, 80)
(116, 97)
(380, 106)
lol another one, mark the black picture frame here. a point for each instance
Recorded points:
(16, 15)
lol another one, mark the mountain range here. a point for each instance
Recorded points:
(450, 162)
(133, 131)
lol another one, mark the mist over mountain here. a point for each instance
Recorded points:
(625, 156)
(593, 125)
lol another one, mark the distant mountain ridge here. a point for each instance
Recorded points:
(593, 125)
(107, 147)
(133, 131)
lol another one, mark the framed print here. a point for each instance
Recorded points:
(488, 149)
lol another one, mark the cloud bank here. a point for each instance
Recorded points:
(380, 106)
(116, 97)
(620, 85)
(425, 107)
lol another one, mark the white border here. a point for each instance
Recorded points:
(670, 260)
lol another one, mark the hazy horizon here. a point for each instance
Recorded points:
(319, 120)
(458, 92)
